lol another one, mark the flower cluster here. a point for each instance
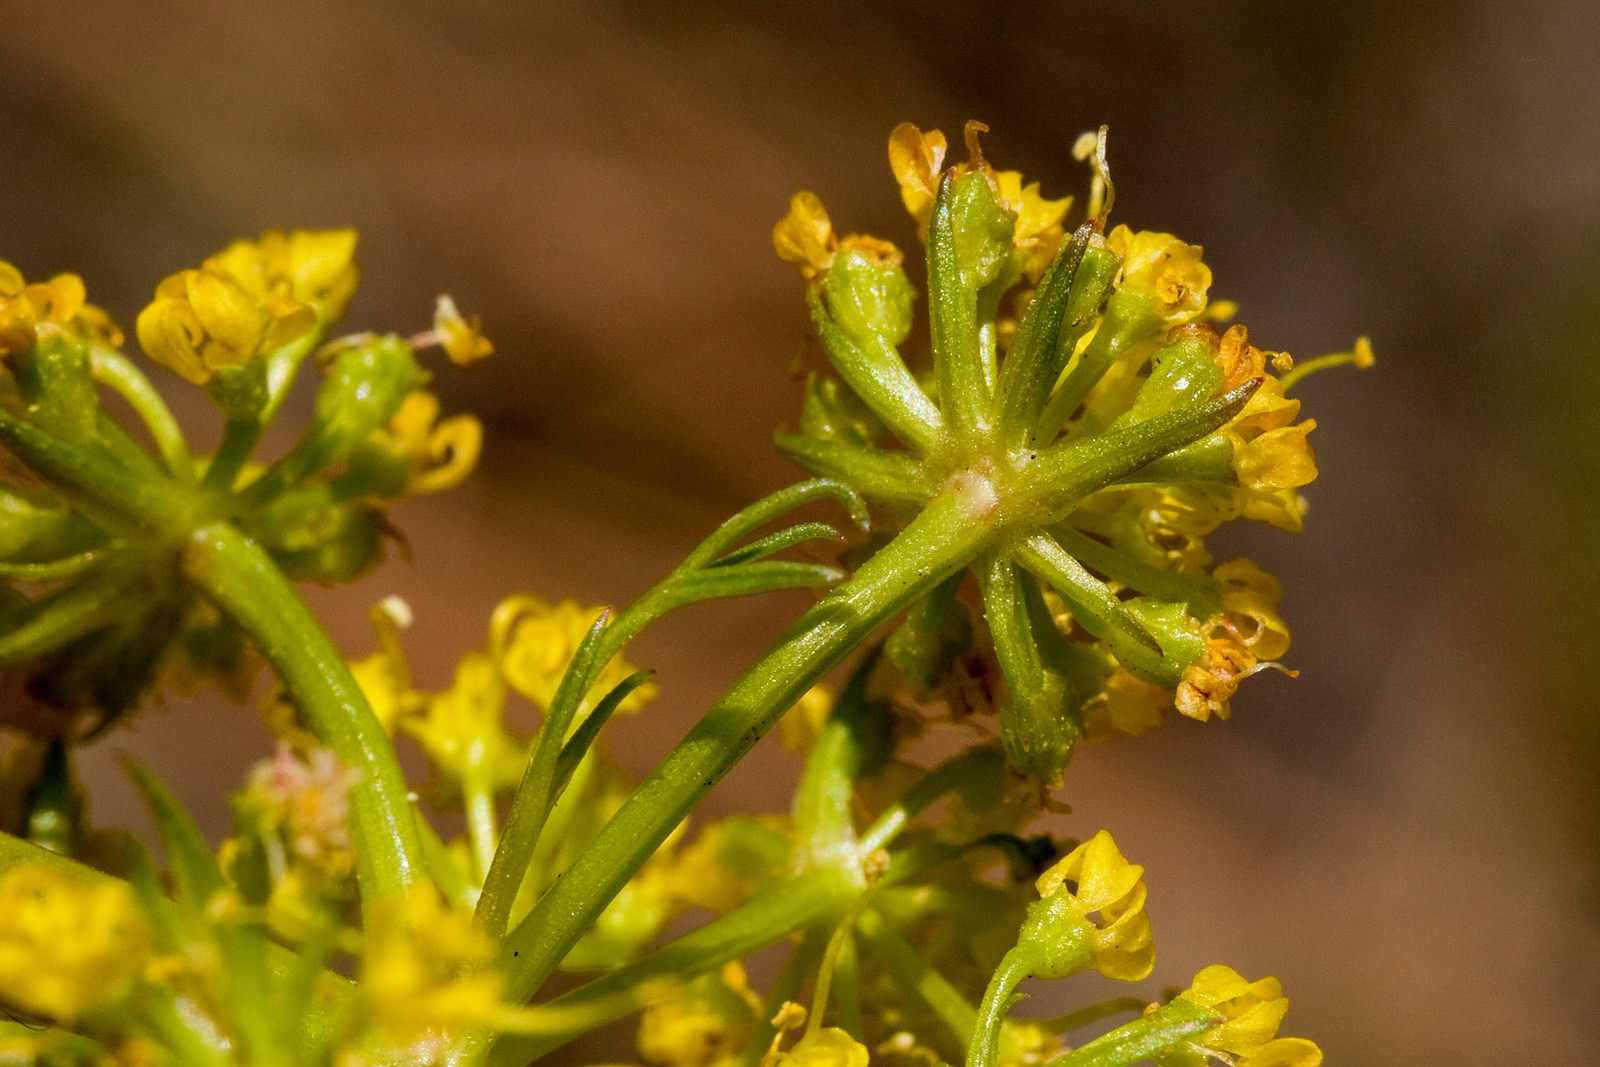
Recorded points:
(99, 601)
(1046, 486)
(1095, 439)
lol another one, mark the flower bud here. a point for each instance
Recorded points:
(870, 298)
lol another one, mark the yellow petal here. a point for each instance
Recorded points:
(320, 261)
(916, 159)
(229, 315)
(462, 339)
(804, 236)
(11, 280)
(453, 449)
(170, 334)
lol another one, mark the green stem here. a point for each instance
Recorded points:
(114, 369)
(71, 612)
(239, 440)
(901, 961)
(479, 802)
(971, 766)
(244, 582)
(803, 961)
(768, 917)
(944, 538)
(94, 482)
(1016, 965)
(1142, 1038)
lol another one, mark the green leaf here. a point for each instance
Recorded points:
(195, 874)
(894, 478)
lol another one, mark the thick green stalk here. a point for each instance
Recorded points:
(236, 573)
(944, 538)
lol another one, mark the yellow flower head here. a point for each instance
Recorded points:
(68, 948)
(805, 238)
(315, 267)
(1251, 1013)
(202, 321)
(702, 1023)
(1163, 269)
(1250, 597)
(425, 978)
(1269, 454)
(463, 728)
(438, 455)
(461, 338)
(825, 1047)
(1103, 881)
(1039, 221)
(247, 300)
(917, 160)
(1128, 705)
(27, 311)
(1206, 687)
(540, 641)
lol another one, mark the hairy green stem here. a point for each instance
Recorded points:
(1016, 965)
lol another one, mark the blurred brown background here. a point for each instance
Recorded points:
(1406, 834)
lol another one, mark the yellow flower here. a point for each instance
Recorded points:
(704, 1022)
(1128, 705)
(315, 267)
(438, 455)
(68, 948)
(28, 310)
(805, 238)
(542, 641)
(1269, 454)
(1251, 1013)
(1103, 881)
(1206, 687)
(825, 1047)
(203, 321)
(425, 979)
(916, 159)
(461, 338)
(1250, 597)
(463, 728)
(1039, 221)
(1163, 269)
(247, 300)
